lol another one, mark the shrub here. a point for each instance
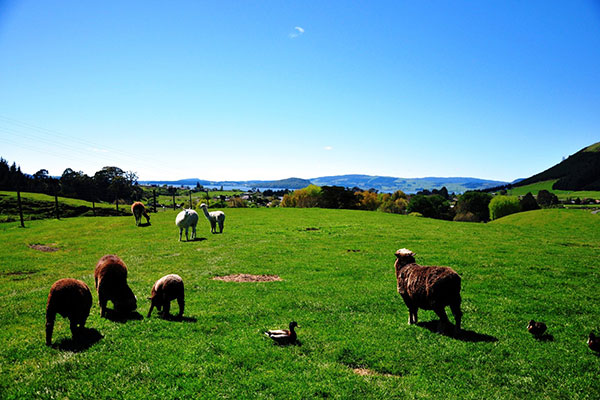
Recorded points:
(237, 202)
(288, 200)
(337, 197)
(434, 206)
(474, 203)
(397, 206)
(501, 206)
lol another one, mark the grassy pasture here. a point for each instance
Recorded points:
(338, 283)
(534, 188)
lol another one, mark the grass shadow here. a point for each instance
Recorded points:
(144, 225)
(175, 318)
(85, 338)
(122, 318)
(464, 335)
(198, 239)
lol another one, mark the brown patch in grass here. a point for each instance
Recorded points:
(369, 372)
(247, 278)
(312, 229)
(41, 247)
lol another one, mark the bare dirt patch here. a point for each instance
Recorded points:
(247, 278)
(41, 247)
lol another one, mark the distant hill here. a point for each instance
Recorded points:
(407, 185)
(365, 182)
(581, 171)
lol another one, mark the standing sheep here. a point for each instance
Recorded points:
(138, 210)
(214, 217)
(71, 299)
(167, 288)
(110, 276)
(184, 220)
(429, 288)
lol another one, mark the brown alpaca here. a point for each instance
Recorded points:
(138, 210)
(167, 288)
(71, 299)
(428, 288)
(110, 276)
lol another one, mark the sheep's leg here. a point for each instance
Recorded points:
(186, 233)
(166, 309)
(412, 315)
(102, 300)
(181, 303)
(50, 317)
(180, 232)
(444, 321)
(455, 308)
(74, 328)
(194, 232)
(220, 226)
(151, 308)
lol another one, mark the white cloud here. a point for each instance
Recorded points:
(328, 148)
(298, 30)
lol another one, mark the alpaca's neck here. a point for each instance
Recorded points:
(206, 212)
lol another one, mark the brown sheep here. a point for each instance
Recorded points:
(71, 299)
(429, 288)
(110, 276)
(138, 210)
(167, 288)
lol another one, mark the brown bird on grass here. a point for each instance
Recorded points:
(537, 329)
(284, 336)
(594, 342)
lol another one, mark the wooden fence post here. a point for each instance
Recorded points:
(154, 195)
(20, 208)
(191, 205)
(173, 201)
(56, 205)
(94, 207)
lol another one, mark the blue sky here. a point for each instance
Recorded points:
(273, 89)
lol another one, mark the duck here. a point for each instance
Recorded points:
(594, 342)
(537, 329)
(284, 336)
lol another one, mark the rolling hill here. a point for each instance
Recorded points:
(581, 171)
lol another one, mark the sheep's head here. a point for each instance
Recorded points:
(203, 205)
(405, 256)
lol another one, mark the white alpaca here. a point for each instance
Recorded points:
(185, 219)
(214, 217)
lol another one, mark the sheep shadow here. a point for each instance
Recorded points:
(85, 338)
(198, 239)
(144, 225)
(176, 318)
(545, 338)
(122, 318)
(464, 335)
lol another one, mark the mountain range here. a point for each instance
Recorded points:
(580, 171)
(365, 182)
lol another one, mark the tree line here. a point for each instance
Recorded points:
(109, 184)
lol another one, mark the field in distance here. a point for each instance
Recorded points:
(337, 282)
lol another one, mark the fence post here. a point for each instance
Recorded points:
(56, 205)
(191, 205)
(173, 201)
(94, 207)
(154, 195)
(20, 208)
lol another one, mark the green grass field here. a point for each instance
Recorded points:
(534, 188)
(338, 284)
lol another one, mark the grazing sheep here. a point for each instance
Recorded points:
(214, 217)
(110, 276)
(185, 219)
(167, 288)
(429, 288)
(138, 210)
(71, 299)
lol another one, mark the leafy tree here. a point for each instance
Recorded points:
(395, 203)
(475, 203)
(546, 199)
(528, 203)
(368, 200)
(337, 197)
(434, 206)
(501, 206)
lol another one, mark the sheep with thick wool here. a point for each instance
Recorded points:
(110, 276)
(214, 217)
(167, 288)
(71, 298)
(428, 288)
(186, 219)
(138, 210)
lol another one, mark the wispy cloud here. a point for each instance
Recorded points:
(96, 150)
(328, 148)
(298, 30)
